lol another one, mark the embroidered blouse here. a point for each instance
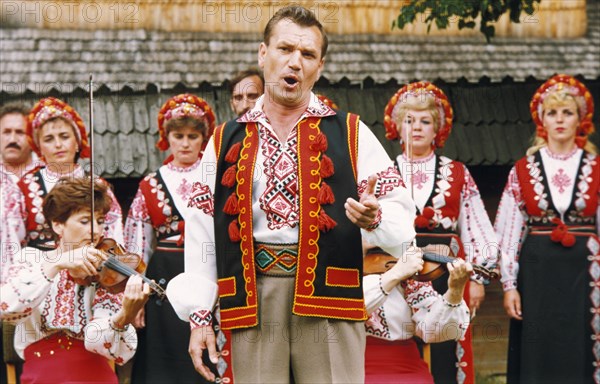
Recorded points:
(413, 309)
(472, 222)
(12, 228)
(41, 307)
(555, 181)
(275, 201)
(158, 209)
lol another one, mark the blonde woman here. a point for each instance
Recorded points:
(450, 210)
(546, 225)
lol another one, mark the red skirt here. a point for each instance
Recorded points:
(62, 359)
(395, 362)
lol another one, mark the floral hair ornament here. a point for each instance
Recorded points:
(50, 108)
(327, 101)
(420, 89)
(184, 105)
(581, 95)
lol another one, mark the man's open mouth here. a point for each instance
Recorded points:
(290, 80)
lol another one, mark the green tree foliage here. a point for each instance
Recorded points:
(445, 12)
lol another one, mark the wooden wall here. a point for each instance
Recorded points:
(551, 19)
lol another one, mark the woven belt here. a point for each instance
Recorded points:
(276, 259)
(581, 230)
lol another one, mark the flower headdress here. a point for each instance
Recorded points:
(183, 105)
(581, 95)
(420, 89)
(50, 108)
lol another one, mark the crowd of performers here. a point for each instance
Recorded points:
(291, 246)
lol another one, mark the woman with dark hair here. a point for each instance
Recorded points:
(547, 228)
(69, 330)
(154, 228)
(57, 134)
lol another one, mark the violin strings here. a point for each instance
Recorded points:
(126, 270)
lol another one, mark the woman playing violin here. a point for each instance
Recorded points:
(547, 227)
(154, 227)
(68, 332)
(449, 207)
(57, 134)
(400, 307)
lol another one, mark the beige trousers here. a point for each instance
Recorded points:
(285, 348)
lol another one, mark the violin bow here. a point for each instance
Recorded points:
(91, 144)
(409, 155)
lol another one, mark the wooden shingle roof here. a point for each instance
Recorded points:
(489, 86)
(39, 59)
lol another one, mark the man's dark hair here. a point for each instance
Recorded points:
(14, 107)
(246, 73)
(300, 16)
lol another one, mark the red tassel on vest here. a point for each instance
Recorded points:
(234, 231)
(326, 223)
(327, 168)
(231, 205)
(233, 153)
(325, 195)
(228, 179)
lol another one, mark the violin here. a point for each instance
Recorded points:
(114, 272)
(435, 256)
(120, 265)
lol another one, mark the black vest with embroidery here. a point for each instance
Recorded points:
(329, 269)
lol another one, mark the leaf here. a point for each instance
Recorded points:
(445, 12)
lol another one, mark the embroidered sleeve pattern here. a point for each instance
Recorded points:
(102, 337)
(418, 294)
(476, 230)
(510, 229)
(114, 220)
(139, 233)
(24, 289)
(386, 181)
(377, 324)
(435, 321)
(201, 318)
(107, 301)
(12, 225)
(202, 198)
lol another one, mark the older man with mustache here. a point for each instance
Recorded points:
(17, 157)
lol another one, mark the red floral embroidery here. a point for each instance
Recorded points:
(279, 201)
(184, 189)
(202, 198)
(386, 182)
(561, 180)
(419, 179)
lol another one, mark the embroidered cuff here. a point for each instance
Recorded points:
(449, 304)
(44, 274)
(381, 287)
(114, 327)
(509, 284)
(375, 222)
(201, 318)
